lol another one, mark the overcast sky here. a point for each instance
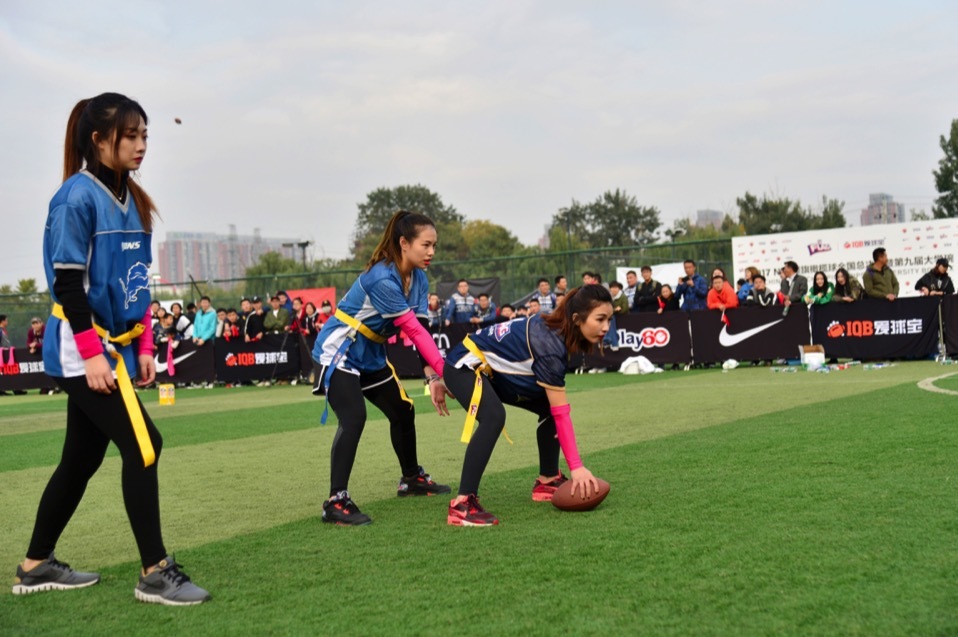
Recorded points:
(293, 111)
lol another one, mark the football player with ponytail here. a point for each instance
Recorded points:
(523, 363)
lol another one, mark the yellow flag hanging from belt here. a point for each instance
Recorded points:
(483, 366)
(125, 385)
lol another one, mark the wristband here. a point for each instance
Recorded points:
(88, 344)
(429, 380)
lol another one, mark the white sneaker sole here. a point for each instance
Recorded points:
(159, 599)
(23, 589)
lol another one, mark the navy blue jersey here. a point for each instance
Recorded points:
(88, 229)
(526, 356)
(375, 299)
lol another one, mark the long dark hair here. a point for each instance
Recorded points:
(404, 224)
(574, 307)
(819, 289)
(108, 115)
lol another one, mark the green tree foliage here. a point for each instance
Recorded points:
(946, 177)
(382, 203)
(273, 263)
(614, 219)
(766, 215)
(484, 238)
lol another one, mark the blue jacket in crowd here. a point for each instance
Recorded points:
(694, 295)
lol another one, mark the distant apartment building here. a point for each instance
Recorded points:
(207, 255)
(882, 209)
(712, 218)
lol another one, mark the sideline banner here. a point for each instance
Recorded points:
(191, 364)
(661, 338)
(949, 318)
(752, 333)
(871, 329)
(20, 370)
(272, 357)
(403, 356)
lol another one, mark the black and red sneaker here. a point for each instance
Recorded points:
(543, 491)
(340, 509)
(470, 513)
(420, 484)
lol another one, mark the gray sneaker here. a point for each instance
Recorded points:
(51, 575)
(170, 586)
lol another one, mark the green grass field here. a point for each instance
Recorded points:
(743, 503)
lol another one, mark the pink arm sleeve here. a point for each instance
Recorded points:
(421, 339)
(144, 342)
(566, 434)
(88, 343)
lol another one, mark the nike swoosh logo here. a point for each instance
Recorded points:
(728, 340)
(161, 367)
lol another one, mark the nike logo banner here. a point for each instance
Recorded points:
(752, 333)
(193, 364)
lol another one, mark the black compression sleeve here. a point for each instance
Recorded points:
(68, 288)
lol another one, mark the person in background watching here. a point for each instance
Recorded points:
(759, 295)
(4, 337)
(35, 335)
(154, 306)
(588, 278)
(284, 302)
(561, 286)
(936, 282)
(220, 322)
(847, 287)
(547, 300)
(746, 288)
(667, 300)
(521, 311)
(164, 332)
(533, 307)
(253, 325)
(794, 285)
(190, 311)
(631, 284)
(325, 313)
(484, 313)
(232, 328)
(506, 313)
(204, 325)
(277, 319)
(460, 305)
(647, 294)
(296, 317)
(879, 280)
(246, 308)
(821, 292)
(307, 322)
(721, 296)
(692, 288)
(181, 323)
(620, 302)
(434, 312)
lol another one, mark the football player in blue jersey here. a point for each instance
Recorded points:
(389, 296)
(523, 363)
(97, 254)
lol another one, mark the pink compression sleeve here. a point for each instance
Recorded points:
(421, 339)
(566, 433)
(144, 343)
(88, 343)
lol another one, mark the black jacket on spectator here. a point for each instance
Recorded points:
(253, 326)
(672, 305)
(936, 283)
(761, 298)
(646, 297)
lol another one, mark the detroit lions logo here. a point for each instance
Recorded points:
(138, 278)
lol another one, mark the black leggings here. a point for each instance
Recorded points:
(491, 417)
(93, 421)
(346, 392)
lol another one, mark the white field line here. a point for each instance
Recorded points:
(929, 385)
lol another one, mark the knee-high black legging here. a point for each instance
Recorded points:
(491, 418)
(93, 421)
(346, 398)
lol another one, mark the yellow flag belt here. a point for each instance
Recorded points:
(125, 384)
(482, 368)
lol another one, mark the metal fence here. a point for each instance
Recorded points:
(517, 275)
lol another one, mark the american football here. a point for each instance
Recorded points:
(564, 500)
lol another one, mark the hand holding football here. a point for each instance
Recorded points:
(564, 500)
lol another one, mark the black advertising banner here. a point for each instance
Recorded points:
(20, 370)
(274, 357)
(751, 333)
(949, 318)
(191, 364)
(661, 338)
(872, 328)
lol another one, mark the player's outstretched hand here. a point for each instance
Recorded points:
(99, 374)
(583, 483)
(438, 392)
(147, 370)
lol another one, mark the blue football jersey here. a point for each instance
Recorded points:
(88, 229)
(375, 299)
(526, 356)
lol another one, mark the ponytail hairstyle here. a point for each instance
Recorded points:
(109, 115)
(404, 224)
(573, 308)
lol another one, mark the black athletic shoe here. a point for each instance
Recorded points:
(340, 509)
(170, 586)
(51, 575)
(420, 484)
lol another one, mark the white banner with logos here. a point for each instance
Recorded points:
(912, 248)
